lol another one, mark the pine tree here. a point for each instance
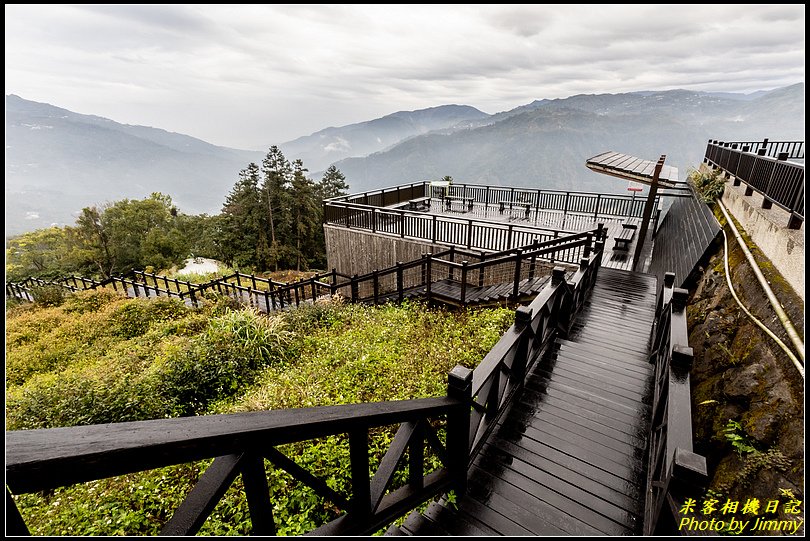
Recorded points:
(306, 211)
(277, 176)
(241, 234)
(333, 184)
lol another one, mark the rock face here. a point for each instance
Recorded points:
(740, 375)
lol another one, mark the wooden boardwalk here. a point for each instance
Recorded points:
(568, 457)
(449, 292)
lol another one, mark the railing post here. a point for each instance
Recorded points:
(434, 228)
(257, 495)
(586, 252)
(459, 387)
(429, 274)
(509, 239)
(400, 282)
(516, 283)
(463, 296)
(15, 524)
(469, 235)
(523, 320)
(373, 220)
(598, 203)
(361, 485)
(355, 287)
(423, 269)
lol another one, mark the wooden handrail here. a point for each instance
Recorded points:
(45, 459)
(674, 470)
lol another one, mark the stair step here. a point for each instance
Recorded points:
(393, 529)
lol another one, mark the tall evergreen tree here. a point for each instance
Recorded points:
(306, 210)
(277, 175)
(332, 184)
(241, 234)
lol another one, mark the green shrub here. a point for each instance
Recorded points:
(48, 295)
(221, 361)
(134, 317)
(709, 186)
(90, 300)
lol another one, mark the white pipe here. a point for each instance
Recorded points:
(761, 325)
(780, 312)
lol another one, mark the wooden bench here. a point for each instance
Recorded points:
(419, 203)
(625, 237)
(466, 201)
(526, 206)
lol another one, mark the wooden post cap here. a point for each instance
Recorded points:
(523, 316)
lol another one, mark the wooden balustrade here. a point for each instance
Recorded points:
(240, 444)
(674, 470)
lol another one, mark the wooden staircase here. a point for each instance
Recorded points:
(567, 458)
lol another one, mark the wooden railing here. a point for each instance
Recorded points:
(466, 233)
(591, 204)
(489, 388)
(387, 196)
(675, 472)
(780, 181)
(469, 269)
(257, 292)
(25, 289)
(466, 269)
(365, 212)
(46, 459)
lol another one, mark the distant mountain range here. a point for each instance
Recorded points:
(325, 147)
(545, 144)
(58, 161)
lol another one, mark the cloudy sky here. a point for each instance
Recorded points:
(251, 76)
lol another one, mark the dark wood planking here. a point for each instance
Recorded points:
(558, 493)
(570, 451)
(626, 491)
(685, 234)
(454, 523)
(472, 508)
(518, 491)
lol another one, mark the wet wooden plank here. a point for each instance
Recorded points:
(568, 458)
(581, 506)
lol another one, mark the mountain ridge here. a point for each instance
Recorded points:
(58, 161)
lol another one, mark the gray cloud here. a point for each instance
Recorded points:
(253, 75)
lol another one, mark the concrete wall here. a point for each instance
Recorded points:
(768, 229)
